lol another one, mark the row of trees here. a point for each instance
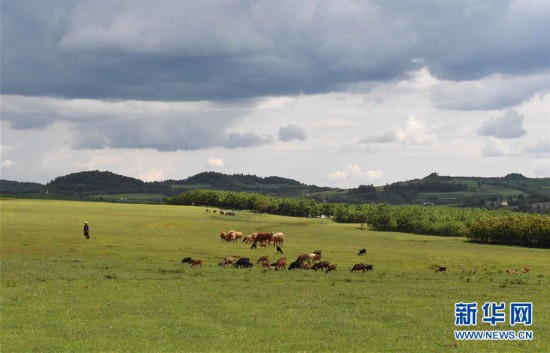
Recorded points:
(299, 207)
(498, 227)
(513, 229)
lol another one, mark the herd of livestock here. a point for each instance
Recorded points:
(307, 261)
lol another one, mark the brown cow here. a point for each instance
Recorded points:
(197, 262)
(526, 269)
(238, 236)
(234, 235)
(223, 236)
(281, 263)
(230, 260)
(265, 236)
(303, 257)
(263, 259)
(331, 267)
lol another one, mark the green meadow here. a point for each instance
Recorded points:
(125, 289)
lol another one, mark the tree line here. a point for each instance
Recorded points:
(480, 225)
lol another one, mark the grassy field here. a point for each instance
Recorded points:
(125, 290)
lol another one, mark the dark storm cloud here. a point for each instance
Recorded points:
(189, 50)
(466, 40)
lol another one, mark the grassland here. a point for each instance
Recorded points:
(125, 290)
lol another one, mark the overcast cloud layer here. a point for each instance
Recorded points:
(334, 93)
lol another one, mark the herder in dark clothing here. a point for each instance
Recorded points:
(86, 230)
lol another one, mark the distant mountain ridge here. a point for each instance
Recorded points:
(512, 189)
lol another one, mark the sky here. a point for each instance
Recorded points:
(331, 93)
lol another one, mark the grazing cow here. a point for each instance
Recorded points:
(512, 271)
(249, 238)
(526, 269)
(358, 267)
(197, 262)
(187, 260)
(268, 266)
(313, 257)
(441, 269)
(316, 267)
(263, 259)
(318, 252)
(304, 257)
(243, 263)
(279, 250)
(281, 263)
(320, 266)
(234, 235)
(296, 265)
(278, 239)
(228, 237)
(369, 267)
(238, 236)
(230, 260)
(263, 236)
(362, 252)
(331, 267)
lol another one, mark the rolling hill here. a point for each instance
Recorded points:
(513, 190)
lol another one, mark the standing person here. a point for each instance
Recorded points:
(86, 230)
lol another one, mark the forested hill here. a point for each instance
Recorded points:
(513, 190)
(96, 182)
(271, 185)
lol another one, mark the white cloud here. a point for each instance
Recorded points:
(496, 148)
(154, 174)
(415, 132)
(215, 162)
(353, 173)
(541, 168)
(383, 137)
(8, 163)
(541, 146)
